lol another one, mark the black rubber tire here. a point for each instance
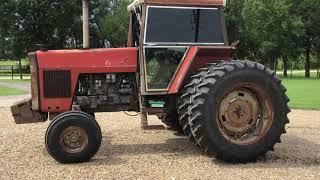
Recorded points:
(172, 122)
(90, 112)
(185, 100)
(204, 103)
(67, 119)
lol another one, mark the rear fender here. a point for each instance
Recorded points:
(197, 57)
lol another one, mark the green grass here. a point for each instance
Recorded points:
(24, 62)
(5, 91)
(15, 80)
(303, 93)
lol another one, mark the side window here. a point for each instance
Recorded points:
(167, 25)
(161, 65)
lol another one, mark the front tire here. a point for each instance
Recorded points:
(90, 112)
(239, 111)
(73, 137)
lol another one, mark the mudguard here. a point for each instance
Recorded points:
(197, 57)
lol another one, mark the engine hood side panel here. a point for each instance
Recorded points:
(118, 60)
(90, 61)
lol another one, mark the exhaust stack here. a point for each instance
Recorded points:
(85, 19)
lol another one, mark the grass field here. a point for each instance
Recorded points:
(6, 91)
(303, 93)
(24, 62)
(15, 80)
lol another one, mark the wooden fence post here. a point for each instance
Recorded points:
(291, 69)
(12, 72)
(20, 68)
(318, 68)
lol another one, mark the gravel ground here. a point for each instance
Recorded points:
(127, 152)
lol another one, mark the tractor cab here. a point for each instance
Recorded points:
(166, 31)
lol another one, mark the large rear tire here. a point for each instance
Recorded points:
(73, 137)
(90, 112)
(172, 122)
(238, 111)
(185, 100)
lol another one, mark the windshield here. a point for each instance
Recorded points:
(183, 25)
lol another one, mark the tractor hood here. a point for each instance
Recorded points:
(89, 61)
(57, 71)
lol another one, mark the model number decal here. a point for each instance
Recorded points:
(117, 62)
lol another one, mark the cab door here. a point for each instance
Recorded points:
(168, 34)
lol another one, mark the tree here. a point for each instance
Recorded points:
(309, 13)
(263, 23)
(317, 49)
(7, 20)
(115, 24)
(270, 31)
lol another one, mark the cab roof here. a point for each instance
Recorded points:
(207, 3)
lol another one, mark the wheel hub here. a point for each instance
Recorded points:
(73, 139)
(238, 111)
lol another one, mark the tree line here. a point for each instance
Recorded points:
(23, 24)
(278, 33)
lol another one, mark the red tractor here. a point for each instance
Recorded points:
(178, 65)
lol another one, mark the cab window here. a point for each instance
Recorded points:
(161, 65)
(183, 25)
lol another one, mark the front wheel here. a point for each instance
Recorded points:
(73, 137)
(239, 111)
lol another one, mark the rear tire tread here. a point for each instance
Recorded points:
(186, 98)
(196, 117)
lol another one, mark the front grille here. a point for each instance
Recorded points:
(57, 83)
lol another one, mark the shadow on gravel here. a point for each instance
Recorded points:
(294, 151)
(177, 147)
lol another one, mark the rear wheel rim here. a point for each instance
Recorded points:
(245, 114)
(73, 139)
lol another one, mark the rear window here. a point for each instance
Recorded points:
(183, 25)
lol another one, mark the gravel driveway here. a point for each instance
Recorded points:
(127, 152)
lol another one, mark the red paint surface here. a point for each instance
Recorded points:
(183, 70)
(197, 57)
(117, 60)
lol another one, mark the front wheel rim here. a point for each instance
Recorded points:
(73, 139)
(245, 114)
